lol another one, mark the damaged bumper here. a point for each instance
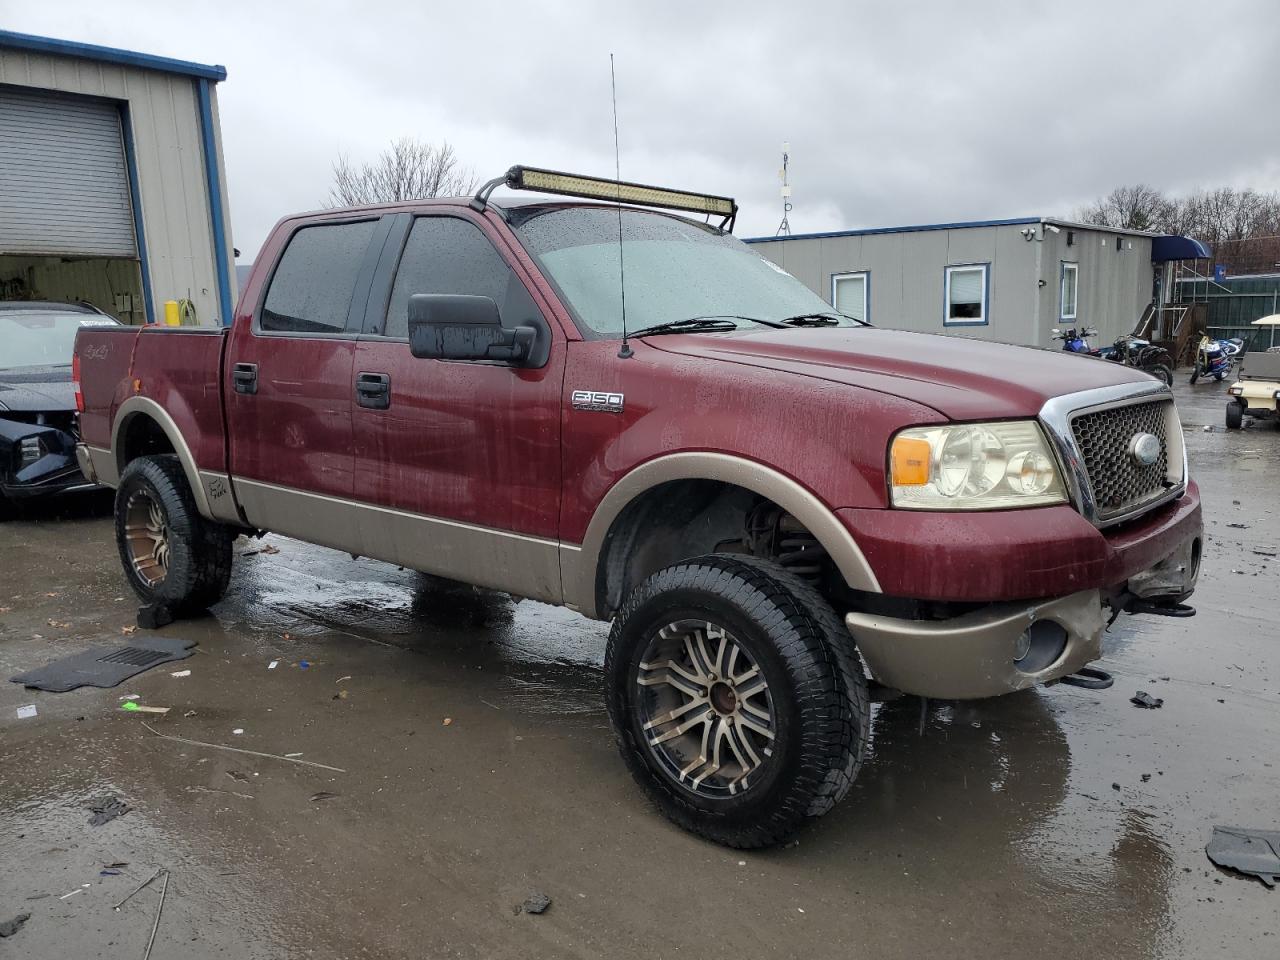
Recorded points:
(38, 460)
(1005, 647)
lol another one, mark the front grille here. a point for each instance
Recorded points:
(1119, 482)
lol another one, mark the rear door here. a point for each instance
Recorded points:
(462, 459)
(288, 379)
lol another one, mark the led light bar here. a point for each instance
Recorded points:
(617, 191)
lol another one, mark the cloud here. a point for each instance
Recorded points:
(896, 112)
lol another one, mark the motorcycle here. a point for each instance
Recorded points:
(1128, 350)
(1215, 358)
(1146, 356)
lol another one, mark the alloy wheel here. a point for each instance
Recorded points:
(147, 536)
(705, 709)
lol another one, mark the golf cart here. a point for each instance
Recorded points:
(1257, 392)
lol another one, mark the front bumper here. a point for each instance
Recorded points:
(56, 471)
(975, 655)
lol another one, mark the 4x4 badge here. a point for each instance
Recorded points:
(597, 400)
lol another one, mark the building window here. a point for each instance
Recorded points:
(851, 294)
(1070, 281)
(966, 293)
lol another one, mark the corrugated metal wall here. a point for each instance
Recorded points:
(170, 161)
(907, 273)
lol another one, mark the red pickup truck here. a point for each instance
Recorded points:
(777, 506)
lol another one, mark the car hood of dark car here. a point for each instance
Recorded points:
(36, 390)
(961, 378)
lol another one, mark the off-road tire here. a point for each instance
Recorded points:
(817, 686)
(1235, 416)
(199, 566)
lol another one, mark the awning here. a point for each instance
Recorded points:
(1178, 248)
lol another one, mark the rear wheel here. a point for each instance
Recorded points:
(738, 701)
(1161, 372)
(172, 556)
(1235, 415)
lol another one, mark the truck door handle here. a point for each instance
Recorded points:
(373, 390)
(245, 377)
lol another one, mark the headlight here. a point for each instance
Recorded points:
(30, 450)
(973, 466)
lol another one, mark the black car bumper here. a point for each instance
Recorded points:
(38, 460)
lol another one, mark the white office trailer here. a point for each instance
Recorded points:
(111, 181)
(1007, 280)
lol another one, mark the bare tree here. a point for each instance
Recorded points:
(1136, 207)
(407, 170)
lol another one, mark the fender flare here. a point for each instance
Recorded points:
(144, 406)
(581, 564)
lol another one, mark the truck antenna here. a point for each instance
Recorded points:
(625, 350)
(784, 228)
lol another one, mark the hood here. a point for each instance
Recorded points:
(37, 390)
(962, 379)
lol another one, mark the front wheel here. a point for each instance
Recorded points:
(737, 698)
(172, 556)
(1235, 415)
(1195, 373)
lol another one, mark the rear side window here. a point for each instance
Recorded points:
(311, 289)
(447, 255)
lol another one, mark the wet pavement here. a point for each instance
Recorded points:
(478, 768)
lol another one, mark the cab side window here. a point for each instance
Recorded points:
(311, 289)
(447, 255)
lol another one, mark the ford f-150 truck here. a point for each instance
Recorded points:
(776, 506)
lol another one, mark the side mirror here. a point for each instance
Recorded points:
(456, 327)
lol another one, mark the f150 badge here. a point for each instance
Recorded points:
(597, 400)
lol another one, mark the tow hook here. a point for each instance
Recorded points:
(1091, 678)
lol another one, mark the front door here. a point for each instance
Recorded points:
(289, 387)
(462, 459)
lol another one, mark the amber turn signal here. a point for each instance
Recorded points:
(909, 461)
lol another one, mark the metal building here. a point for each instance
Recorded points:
(1007, 280)
(111, 181)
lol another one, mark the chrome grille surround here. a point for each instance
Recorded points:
(1091, 431)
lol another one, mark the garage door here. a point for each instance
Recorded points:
(63, 183)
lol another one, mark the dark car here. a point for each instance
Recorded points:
(38, 430)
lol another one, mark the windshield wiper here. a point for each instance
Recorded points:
(818, 320)
(691, 325)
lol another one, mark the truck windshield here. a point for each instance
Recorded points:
(675, 270)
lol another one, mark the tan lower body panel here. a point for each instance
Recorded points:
(971, 656)
(522, 565)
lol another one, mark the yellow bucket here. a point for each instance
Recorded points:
(172, 318)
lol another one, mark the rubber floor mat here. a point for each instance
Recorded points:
(105, 666)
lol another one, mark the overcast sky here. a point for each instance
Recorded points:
(896, 113)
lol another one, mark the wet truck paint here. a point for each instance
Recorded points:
(495, 466)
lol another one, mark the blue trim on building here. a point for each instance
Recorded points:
(986, 294)
(135, 200)
(918, 228)
(128, 58)
(214, 183)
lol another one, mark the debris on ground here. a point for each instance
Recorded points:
(189, 713)
(80, 889)
(132, 706)
(322, 795)
(1146, 701)
(164, 888)
(130, 895)
(273, 664)
(447, 721)
(105, 666)
(154, 617)
(1238, 526)
(237, 731)
(181, 673)
(536, 903)
(27, 712)
(10, 927)
(265, 550)
(1255, 852)
(107, 809)
(304, 665)
(237, 776)
(340, 695)
(251, 753)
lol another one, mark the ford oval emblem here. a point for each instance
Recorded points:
(1145, 449)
